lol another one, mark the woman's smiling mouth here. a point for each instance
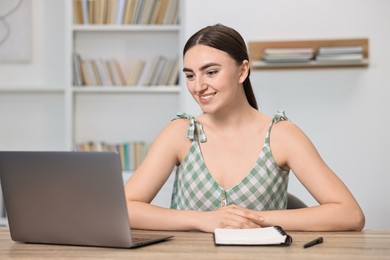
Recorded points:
(207, 97)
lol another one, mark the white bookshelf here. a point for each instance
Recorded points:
(117, 114)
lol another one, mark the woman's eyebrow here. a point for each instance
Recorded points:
(207, 65)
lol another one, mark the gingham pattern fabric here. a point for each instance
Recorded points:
(264, 188)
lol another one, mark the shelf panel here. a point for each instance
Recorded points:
(130, 28)
(302, 65)
(24, 89)
(256, 50)
(120, 89)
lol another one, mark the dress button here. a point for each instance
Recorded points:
(223, 196)
(223, 203)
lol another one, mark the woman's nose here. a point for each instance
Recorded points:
(200, 84)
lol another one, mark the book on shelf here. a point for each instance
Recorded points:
(77, 77)
(103, 73)
(287, 54)
(147, 10)
(159, 71)
(91, 11)
(339, 50)
(85, 72)
(148, 70)
(117, 69)
(340, 54)
(273, 235)
(135, 72)
(157, 12)
(339, 58)
(173, 75)
(111, 12)
(131, 153)
(120, 11)
(100, 15)
(95, 72)
(129, 11)
(85, 11)
(98, 72)
(171, 14)
(77, 12)
(125, 11)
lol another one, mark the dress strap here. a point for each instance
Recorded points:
(279, 116)
(194, 126)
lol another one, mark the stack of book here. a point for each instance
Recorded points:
(341, 54)
(287, 55)
(126, 11)
(131, 153)
(159, 71)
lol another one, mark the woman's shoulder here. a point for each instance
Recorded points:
(173, 134)
(177, 124)
(283, 125)
(286, 131)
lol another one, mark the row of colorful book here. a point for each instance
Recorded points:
(159, 71)
(131, 153)
(125, 11)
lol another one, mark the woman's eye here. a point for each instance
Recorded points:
(211, 72)
(189, 76)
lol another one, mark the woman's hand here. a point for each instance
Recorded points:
(231, 216)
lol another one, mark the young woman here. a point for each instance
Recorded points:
(233, 161)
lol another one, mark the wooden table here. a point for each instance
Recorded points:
(195, 245)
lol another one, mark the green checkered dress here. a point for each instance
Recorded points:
(264, 188)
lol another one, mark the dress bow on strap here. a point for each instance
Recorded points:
(193, 126)
(280, 116)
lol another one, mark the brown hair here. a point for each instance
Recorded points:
(226, 39)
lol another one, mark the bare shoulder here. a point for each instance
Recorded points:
(287, 131)
(288, 140)
(178, 124)
(173, 136)
(176, 128)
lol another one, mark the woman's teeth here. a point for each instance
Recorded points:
(206, 97)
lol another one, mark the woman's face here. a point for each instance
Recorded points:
(213, 78)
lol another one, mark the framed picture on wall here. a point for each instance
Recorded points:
(15, 31)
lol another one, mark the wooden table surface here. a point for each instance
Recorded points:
(368, 244)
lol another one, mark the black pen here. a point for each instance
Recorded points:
(314, 242)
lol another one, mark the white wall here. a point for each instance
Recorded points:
(343, 111)
(35, 120)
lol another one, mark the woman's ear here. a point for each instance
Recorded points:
(244, 72)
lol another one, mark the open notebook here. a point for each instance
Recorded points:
(274, 235)
(72, 198)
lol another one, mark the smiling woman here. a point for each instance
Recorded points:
(231, 43)
(205, 79)
(232, 161)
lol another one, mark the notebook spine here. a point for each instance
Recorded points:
(288, 240)
(280, 230)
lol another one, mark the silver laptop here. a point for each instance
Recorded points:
(72, 198)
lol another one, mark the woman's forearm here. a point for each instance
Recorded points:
(146, 216)
(327, 217)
